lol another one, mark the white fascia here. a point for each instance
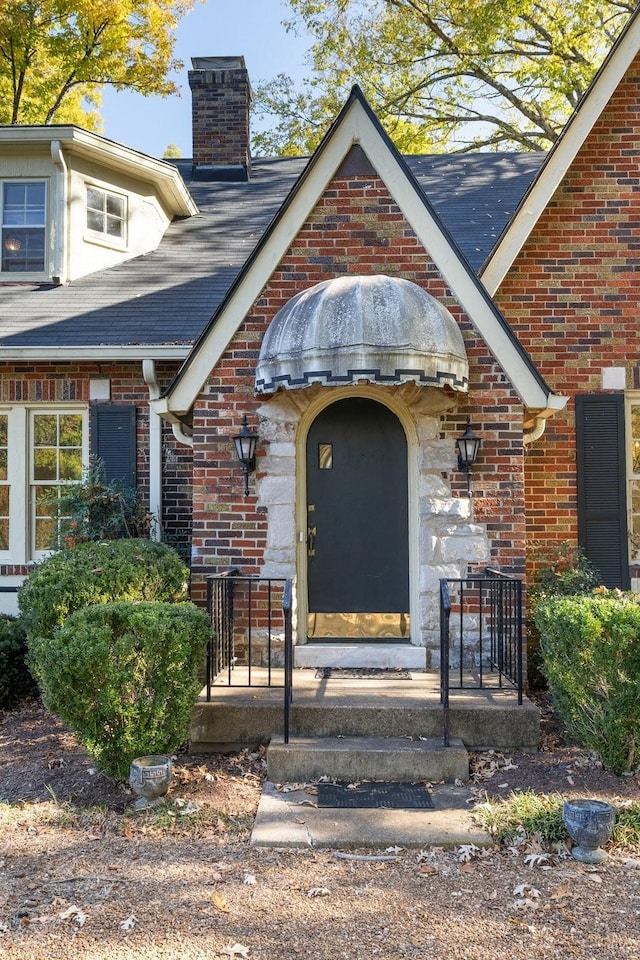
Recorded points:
(163, 175)
(100, 353)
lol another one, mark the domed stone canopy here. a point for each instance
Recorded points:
(382, 329)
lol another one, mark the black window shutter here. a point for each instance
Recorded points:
(113, 441)
(602, 485)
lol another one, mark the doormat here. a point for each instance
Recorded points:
(360, 673)
(389, 796)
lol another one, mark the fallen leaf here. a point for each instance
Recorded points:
(237, 950)
(428, 868)
(74, 913)
(129, 923)
(493, 895)
(536, 859)
(595, 877)
(220, 902)
(249, 879)
(318, 892)
(561, 893)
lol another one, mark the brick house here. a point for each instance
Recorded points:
(359, 309)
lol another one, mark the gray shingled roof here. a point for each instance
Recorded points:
(169, 295)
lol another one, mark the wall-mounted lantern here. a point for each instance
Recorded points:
(245, 444)
(467, 446)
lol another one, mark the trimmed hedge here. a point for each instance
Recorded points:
(16, 681)
(591, 654)
(124, 677)
(97, 573)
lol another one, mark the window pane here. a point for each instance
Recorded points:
(114, 227)
(95, 198)
(4, 457)
(70, 465)
(45, 430)
(45, 464)
(95, 221)
(71, 430)
(115, 205)
(45, 535)
(4, 501)
(4, 429)
(105, 212)
(4, 533)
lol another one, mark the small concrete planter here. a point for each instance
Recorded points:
(150, 778)
(590, 824)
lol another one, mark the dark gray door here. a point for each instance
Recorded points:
(357, 522)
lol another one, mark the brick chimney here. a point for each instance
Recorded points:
(220, 98)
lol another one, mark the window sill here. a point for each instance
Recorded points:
(111, 243)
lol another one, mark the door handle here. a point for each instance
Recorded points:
(311, 541)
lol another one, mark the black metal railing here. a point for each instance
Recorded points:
(287, 613)
(484, 614)
(249, 630)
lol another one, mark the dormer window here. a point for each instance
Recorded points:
(24, 224)
(106, 213)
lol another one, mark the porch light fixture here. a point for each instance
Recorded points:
(245, 443)
(467, 446)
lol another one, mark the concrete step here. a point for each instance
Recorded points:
(244, 719)
(385, 656)
(366, 758)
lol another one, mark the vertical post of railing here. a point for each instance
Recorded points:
(445, 613)
(461, 647)
(211, 640)
(269, 632)
(519, 638)
(249, 632)
(226, 616)
(288, 656)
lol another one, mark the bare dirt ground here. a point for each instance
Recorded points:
(83, 876)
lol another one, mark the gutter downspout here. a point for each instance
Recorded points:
(59, 272)
(155, 449)
(530, 436)
(180, 435)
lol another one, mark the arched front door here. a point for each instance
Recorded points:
(357, 523)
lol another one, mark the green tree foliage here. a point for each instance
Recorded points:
(124, 677)
(57, 55)
(443, 74)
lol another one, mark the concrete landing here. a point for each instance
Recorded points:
(293, 820)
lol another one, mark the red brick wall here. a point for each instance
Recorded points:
(572, 297)
(356, 228)
(220, 116)
(69, 382)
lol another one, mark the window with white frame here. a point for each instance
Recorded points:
(24, 226)
(633, 475)
(41, 450)
(106, 213)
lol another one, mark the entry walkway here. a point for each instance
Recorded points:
(292, 819)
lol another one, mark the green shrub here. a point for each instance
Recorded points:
(591, 653)
(559, 570)
(16, 681)
(124, 677)
(98, 509)
(95, 573)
